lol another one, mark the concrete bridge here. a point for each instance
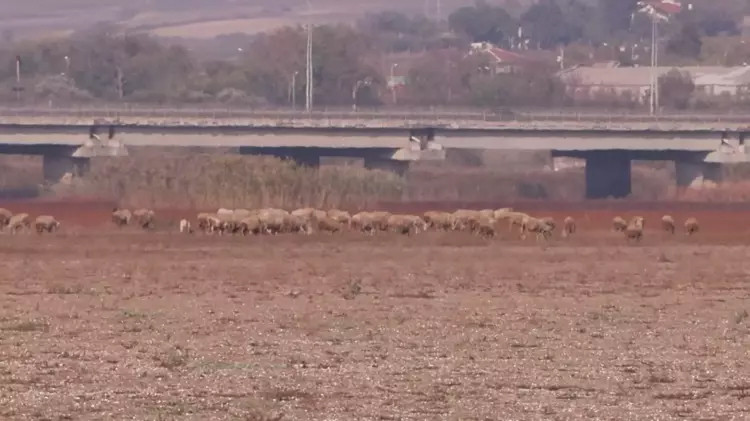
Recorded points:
(698, 144)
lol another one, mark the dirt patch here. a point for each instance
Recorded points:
(441, 326)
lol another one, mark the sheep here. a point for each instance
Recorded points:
(296, 224)
(272, 220)
(569, 226)
(440, 221)
(465, 220)
(5, 216)
(485, 228)
(250, 225)
(144, 218)
(487, 213)
(667, 223)
(18, 222)
(204, 221)
(380, 220)
(634, 229)
(691, 226)
(309, 213)
(405, 224)
(121, 217)
(619, 224)
(340, 216)
(364, 222)
(542, 230)
(498, 213)
(185, 227)
(549, 221)
(46, 223)
(330, 225)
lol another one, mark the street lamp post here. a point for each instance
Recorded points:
(653, 107)
(67, 66)
(293, 90)
(393, 83)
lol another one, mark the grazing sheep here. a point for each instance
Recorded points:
(549, 221)
(634, 229)
(121, 217)
(5, 216)
(405, 224)
(185, 227)
(500, 212)
(691, 226)
(380, 220)
(515, 219)
(272, 220)
(296, 224)
(619, 224)
(440, 221)
(542, 230)
(340, 216)
(330, 225)
(309, 213)
(569, 226)
(144, 218)
(46, 223)
(364, 222)
(667, 223)
(204, 221)
(485, 228)
(465, 220)
(250, 225)
(487, 213)
(18, 222)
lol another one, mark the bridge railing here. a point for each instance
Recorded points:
(438, 115)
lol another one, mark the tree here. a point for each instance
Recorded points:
(341, 57)
(687, 43)
(615, 15)
(483, 22)
(675, 89)
(548, 26)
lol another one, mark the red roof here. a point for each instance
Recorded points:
(666, 7)
(505, 56)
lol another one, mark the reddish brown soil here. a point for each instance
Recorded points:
(131, 325)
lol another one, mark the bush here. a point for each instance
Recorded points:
(676, 89)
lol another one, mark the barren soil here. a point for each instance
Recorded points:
(103, 324)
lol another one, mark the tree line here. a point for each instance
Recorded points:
(352, 62)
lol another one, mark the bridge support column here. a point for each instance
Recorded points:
(58, 167)
(607, 175)
(697, 174)
(383, 164)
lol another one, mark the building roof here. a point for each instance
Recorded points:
(500, 55)
(641, 76)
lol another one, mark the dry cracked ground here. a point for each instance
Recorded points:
(157, 326)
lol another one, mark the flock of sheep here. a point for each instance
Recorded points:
(22, 222)
(484, 223)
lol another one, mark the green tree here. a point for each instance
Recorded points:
(675, 89)
(483, 22)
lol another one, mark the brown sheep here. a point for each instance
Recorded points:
(485, 228)
(405, 224)
(204, 221)
(144, 218)
(364, 222)
(18, 222)
(465, 220)
(380, 220)
(250, 225)
(691, 226)
(542, 230)
(329, 225)
(667, 223)
(340, 216)
(634, 229)
(5, 216)
(46, 223)
(121, 217)
(619, 224)
(569, 226)
(440, 221)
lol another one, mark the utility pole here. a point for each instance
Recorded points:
(393, 83)
(309, 66)
(654, 78)
(293, 92)
(18, 78)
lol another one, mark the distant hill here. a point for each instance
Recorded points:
(204, 19)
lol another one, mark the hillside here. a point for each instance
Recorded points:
(203, 19)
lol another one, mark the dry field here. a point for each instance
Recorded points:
(103, 324)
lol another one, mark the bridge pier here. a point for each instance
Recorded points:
(57, 167)
(607, 174)
(697, 174)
